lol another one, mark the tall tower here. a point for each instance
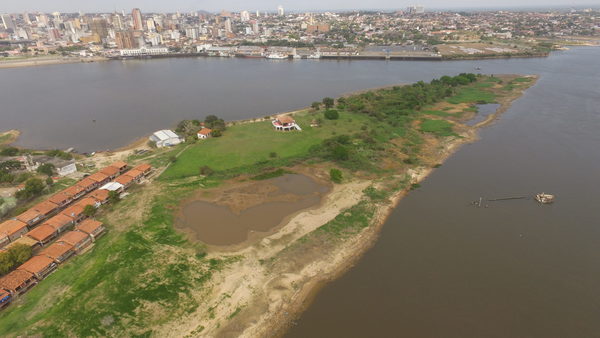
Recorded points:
(280, 10)
(136, 14)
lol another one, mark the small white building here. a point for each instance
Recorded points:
(113, 186)
(204, 133)
(67, 169)
(144, 51)
(165, 138)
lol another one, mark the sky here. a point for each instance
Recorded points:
(17, 6)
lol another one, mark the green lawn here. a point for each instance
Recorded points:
(437, 127)
(471, 95)
(245, 144)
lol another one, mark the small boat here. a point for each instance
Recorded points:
(544, 198)
(276, 56)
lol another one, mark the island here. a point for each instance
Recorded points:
(232, 231)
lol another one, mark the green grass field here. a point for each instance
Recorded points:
(246, 144)
(437, 127)
(472, 94)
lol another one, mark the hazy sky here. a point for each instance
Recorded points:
(211, 5)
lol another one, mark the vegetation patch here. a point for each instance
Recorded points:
(272, 174)
(438, 127)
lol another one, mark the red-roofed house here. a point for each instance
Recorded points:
(91, 227)
(100, 178)
(13, 229)
(204, 133)
(100, 195)
(44, 234)
(61, 199)
(145, 168)
(30, 217)
(60, 222)
(39, 266)
(88, 184)
(59, 252)
(75, 191)
(122, 166)
(88, 201)
(75, 212)
(125, 180)
(79, 240)
(45, 208)
(18, 281)
(135, 174)
(111, 172)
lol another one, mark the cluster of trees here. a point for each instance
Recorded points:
(189, 128)
(395, 107)
(403, 100)
(13, 257)
(33, 187)
(60, 154)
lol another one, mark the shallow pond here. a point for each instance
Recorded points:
(216, 223)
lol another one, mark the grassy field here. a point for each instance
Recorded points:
(104, 291)
(246, 144)
(472, 94)
(440, 128)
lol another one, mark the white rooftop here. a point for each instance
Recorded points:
(112, 186)
(165, 134)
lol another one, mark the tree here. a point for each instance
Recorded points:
(216, 133)
(46, 168)
(33, 187)
(316, 105)
(113, 197)
(49, 181)
(6, 263)
(328, 102)
(332, 114)
(20, 253)
(9, 151)
(89, 210)
(335, 175)
(206, 171)
(340, 153)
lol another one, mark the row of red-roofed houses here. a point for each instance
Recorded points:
(67, 243)
(17, 227)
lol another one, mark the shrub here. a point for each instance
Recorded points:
(206, 171)
(332, 114)
(46, 168)
(272, 154)
(328, 102)
(335, 175)
(89, 210)
(9, 151)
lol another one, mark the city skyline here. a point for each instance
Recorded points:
(11, 6)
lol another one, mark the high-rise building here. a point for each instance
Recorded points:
(8, 22)
(99, 27)
(150, 24)
(136, 15)
(416, 9)
(117, 22)
(228, 27)
(244, 16)
(255, 27)
(280, 10)
(125, 40)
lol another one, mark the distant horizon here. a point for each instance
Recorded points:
(237, 8)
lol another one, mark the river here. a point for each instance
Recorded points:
(441, 268)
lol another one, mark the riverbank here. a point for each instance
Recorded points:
(255, 289)
(44, 61)
(278, 314)
(9, 136)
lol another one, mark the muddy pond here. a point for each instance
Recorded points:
(235, 215)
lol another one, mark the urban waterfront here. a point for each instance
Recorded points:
(443, 268)
(100, 106)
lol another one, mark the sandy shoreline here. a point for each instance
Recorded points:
(277, 322)
(31, 62)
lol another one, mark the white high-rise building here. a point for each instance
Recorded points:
(244, 16)
(8, 22)
(280, 10)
